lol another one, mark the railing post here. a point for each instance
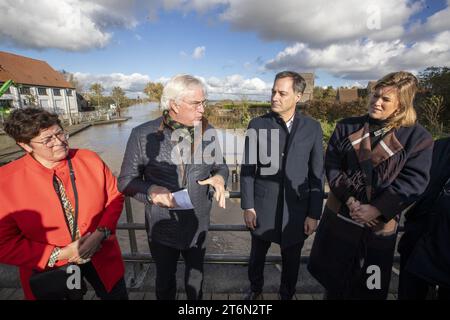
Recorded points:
(137, 267)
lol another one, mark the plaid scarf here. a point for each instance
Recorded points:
(187, 132)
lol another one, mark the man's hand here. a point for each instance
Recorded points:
(218, 184)
(162, 197)
(310, 226)
(365, 214)
(91, 245)
(250, 218)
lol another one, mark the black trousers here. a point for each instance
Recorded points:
(290, 266)
(166, 259)
(118, 292)
(379, 252)
(411, 287)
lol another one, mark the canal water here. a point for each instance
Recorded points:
(110, 140)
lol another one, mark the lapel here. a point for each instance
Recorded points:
(368, 158)
(295, 127)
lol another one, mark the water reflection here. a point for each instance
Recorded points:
(110, 140)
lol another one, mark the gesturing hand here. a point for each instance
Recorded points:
(218, 184)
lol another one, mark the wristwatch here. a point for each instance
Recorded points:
(106, 232)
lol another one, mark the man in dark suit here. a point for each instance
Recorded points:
(281, 198)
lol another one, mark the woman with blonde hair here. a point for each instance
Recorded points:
(376, 165)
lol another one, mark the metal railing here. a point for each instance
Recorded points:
(139, 259)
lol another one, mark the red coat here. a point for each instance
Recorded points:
(32, 222)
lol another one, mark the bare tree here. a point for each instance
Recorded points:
(432, 107)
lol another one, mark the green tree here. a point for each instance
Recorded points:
(76, 83)
(435, 81)
(244, 112)
(326, 94)
(154, 91)
(118, 95)
(97, 92)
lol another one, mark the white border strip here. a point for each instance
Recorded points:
(360, 139)
(386, 148)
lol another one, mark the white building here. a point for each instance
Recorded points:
(36, 83)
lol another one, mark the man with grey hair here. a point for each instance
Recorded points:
(282, 205)
(154, 171)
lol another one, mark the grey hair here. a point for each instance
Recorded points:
(298, 84)
(177, 87)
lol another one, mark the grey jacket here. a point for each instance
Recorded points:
(147, 161)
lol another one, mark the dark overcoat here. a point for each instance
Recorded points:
(426, 241)
(289, 188)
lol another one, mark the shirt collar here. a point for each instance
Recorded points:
(290, 122)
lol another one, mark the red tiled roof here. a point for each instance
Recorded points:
(23, 70)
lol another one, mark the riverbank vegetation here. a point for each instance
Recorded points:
(432, 105)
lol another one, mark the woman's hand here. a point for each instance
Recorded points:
(91, 245)
(353, 204)
(72, 250)
(365, 214)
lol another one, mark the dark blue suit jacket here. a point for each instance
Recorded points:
(293, 189)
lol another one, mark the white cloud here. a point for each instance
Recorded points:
(318, 22)
(132, 83)
(66, 24)
(237, 87)
(230, 87)
(199, 52)
(365, 59)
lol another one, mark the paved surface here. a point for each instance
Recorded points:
(222, 282)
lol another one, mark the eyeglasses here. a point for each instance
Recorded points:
(50, 140)
(197, 104)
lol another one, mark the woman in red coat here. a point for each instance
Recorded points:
(58, 206)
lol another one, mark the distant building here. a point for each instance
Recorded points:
(370, 86)
(308, 94)
(347, 95)
(37, 83)
(354, 94)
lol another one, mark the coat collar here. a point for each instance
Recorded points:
(297, 117)
(34, 165)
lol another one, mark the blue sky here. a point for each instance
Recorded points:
(240, 44)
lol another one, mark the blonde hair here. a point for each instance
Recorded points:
(406, 85)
